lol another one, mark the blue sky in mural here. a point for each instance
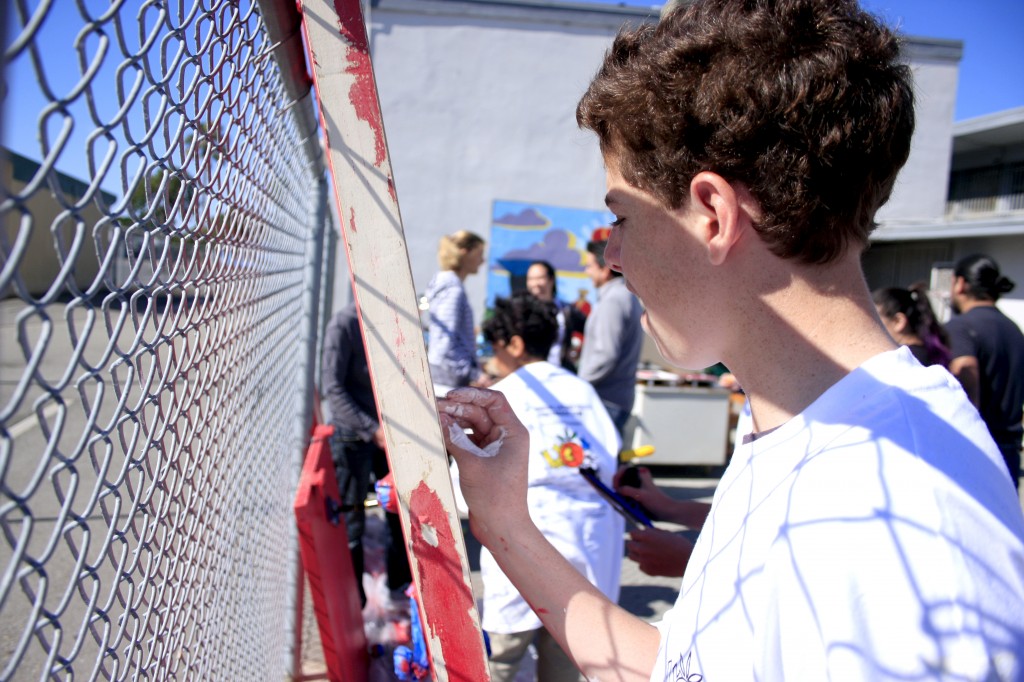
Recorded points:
(525, 232)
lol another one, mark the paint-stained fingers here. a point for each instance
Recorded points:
(493, 464)
(467, 416)
(486, 412)
(457, 440)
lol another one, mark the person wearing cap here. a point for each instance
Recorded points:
(612, 335)
(865, 528)
(988, 353)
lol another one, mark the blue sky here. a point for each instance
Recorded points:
(992, 67)
(991, 70)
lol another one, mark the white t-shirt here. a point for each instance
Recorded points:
(568, 425)
(874, 536)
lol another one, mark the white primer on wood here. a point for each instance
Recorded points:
(385, 296)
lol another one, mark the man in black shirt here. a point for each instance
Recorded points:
(988, 353)
(357, 446)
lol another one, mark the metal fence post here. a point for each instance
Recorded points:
(284, 28)
(311, 318)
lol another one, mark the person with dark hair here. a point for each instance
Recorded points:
(451, 345)
(542, 283)
(357, 444)
(908, 316)
(988, 353)
(568, 428)
(613, 336)
(864, 529)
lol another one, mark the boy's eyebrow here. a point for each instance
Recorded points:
(610, 199)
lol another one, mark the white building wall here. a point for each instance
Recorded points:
(479, 105)
(920, 192)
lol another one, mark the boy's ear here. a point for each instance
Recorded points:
(727, 213)
(516, 346)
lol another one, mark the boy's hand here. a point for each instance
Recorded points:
(492, 459)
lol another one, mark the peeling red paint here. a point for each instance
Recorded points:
(363, 93)
(400, 339)
(444, 595)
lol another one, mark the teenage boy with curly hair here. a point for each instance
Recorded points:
(866, 529)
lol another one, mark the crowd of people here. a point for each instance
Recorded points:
(867, 525)
(538, 368)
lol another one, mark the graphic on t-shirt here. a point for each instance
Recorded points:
(679, 671)
(569, 450)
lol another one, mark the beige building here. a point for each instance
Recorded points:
(50, 231)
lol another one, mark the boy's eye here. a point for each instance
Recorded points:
(618, 222)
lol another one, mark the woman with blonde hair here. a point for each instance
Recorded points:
(451, 346)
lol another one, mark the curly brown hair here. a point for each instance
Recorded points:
(805, 102)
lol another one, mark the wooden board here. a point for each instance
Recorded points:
(382, 281)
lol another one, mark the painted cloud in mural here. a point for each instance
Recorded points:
(556, 246)
(524, 232)
(528, 217)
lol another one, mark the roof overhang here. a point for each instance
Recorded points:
(1001, 129)
(991, 226)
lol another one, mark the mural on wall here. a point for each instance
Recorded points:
(522, 233)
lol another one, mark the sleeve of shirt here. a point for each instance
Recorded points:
(601, 340)
(451, 310)
(962, 341)
(345, 412)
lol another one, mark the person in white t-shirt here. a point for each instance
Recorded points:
(866, 529)
(568, 428)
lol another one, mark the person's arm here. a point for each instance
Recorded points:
(601, 342)
(604, 641)
(965, 369)
(659, 552)
(339, 346)
(964, 365)
(665, 508)
(449, 308)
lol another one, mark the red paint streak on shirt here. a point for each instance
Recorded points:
(363, 93)
(444, 595)
(352, 219)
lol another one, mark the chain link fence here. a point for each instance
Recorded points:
(163, 209)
